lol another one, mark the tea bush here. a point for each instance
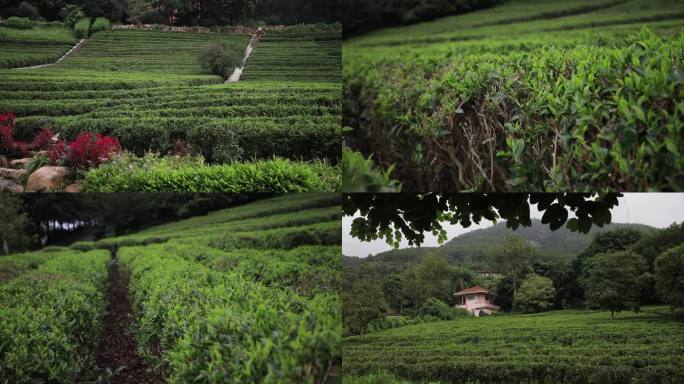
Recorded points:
(524, 96)
(152, 174)
(263, 310)
(51, 317)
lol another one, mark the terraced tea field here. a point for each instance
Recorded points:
(527, 95)
(561, 346)
(147, 89)
(247, 294)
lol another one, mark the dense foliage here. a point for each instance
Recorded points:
(563, 95)
(201, 12)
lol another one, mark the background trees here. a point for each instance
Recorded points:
(669, 276)
(366, 15)
(186, 12)
(536, 293)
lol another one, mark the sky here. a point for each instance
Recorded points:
(655, 209)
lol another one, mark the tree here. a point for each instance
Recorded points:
(396, 216)
(536, 293)
(513, 258)
(391, 288)
(13, 224)
(363, 304)
(615, 240)
(433, 275)
(611, 281)
(565, 282)
(669, 276)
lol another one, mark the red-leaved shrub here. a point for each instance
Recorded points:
(8, 145)
(42, 140)
(87, 151)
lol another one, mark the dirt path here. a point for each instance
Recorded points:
(235, 76)
(71, 52)
(117, 347)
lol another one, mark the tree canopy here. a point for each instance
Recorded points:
(611, 280)
(396, 216)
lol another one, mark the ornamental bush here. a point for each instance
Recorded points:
(221, 57)
(100, 24)
(87, 151)
(82, 28)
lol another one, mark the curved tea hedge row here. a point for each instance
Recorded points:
(291, 213)
(499, 102)
(219, 327)
(294, 55)
(561, 346)
(51, 317)
(266, 309)
(40, 45)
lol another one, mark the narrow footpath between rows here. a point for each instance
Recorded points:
(117, 350)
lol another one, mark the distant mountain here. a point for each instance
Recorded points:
(475, 247)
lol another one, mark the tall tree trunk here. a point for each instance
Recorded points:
(5, 246)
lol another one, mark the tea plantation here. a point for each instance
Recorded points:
(554, 347)
(527, 95)
(247, 294)
(147, 89)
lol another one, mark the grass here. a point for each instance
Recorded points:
(557, 346)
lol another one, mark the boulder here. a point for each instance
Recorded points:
(10, 186)
(74, 188)
(9, 173)
(19, 163)
(48, 179)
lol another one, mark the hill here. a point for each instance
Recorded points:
(473, 248)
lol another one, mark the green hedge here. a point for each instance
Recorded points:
(18, 23)
(82, 28)
(152, 174)
(50, 319)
